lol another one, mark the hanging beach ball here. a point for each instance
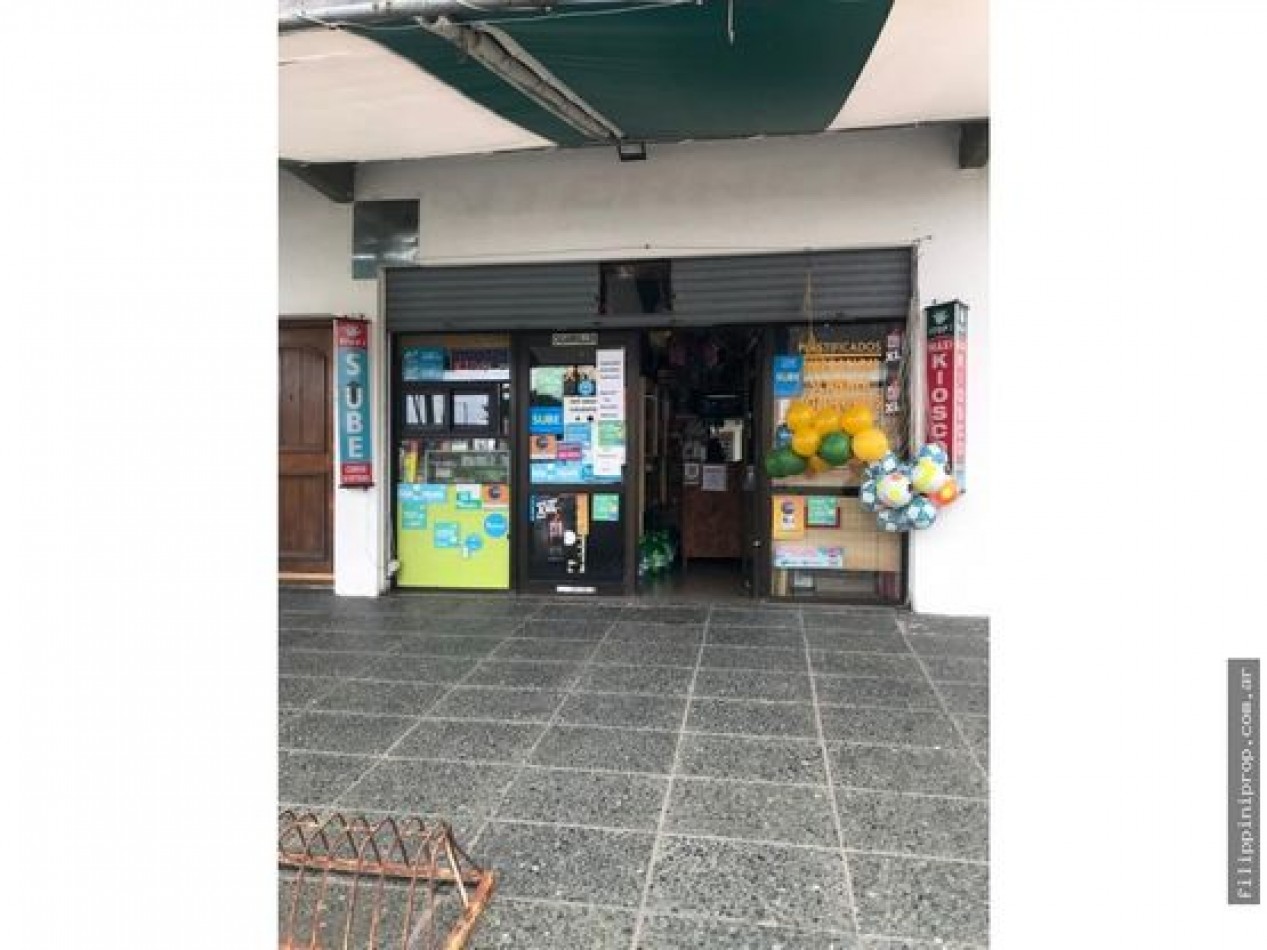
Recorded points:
(855, 418)
(870, 445)
(894, 490)
(921, 513)
(927, 475)
(934, 452)
(892, 520)
(867, 496)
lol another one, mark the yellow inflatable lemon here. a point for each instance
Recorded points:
(827, 421)
(870, 445)
(856, 418)
(800, 416)
(805, 442)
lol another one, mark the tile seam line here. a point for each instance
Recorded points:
(953, 719)
(831, 786)
(666, 802)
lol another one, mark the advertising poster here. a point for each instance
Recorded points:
(822, 511)
(495, 496)
(447, 534)
(356, 468)
(788, 382)
(419, 363)
(580, 381)
(413, 507)
(546, 384)
(579, 409)
(545, 420)
(807, 557)
(560, 529)
(470, 497)
(946, 382)
(606, 507)
(569, 452)
(787, 518)
(610, 369)
(543, 448)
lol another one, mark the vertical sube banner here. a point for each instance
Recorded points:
(946, 382)
(352, 355)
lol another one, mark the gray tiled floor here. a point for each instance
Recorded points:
(661, 775)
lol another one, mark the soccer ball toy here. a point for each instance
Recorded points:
(867, 495)
(892, 520)
(921, 513)
(927, 476)
(894, 490)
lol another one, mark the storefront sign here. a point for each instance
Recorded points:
(788, 381)
(356, 467)
(946, 373)
(574, 339)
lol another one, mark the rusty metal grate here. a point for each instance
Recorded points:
(355, 884)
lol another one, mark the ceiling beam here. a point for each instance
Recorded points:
(335, 180)
(974, 144)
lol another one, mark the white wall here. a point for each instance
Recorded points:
(315, 275)
(846, 190)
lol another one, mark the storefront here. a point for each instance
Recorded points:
(566, 428)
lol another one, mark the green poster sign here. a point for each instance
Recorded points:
(606, 507)
(822, 511)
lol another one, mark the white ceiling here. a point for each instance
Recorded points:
(344, 98)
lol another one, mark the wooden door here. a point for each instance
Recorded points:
(305, 451)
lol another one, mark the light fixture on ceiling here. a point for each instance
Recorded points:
(631, 151)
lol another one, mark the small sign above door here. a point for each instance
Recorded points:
(574, 339)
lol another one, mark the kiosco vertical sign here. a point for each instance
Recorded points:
(356, 467)
(946, 379)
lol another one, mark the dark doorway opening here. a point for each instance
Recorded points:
(701, 393)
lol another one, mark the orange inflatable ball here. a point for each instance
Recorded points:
(818, 465)
(805, 442)
(870, 445)
(856, 418)
(799, 416)
(827, 421)
(948, 492)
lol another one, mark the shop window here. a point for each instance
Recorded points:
(635, 287)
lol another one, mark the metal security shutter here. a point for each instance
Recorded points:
(707, 291)
(492, 297)
(767, 288)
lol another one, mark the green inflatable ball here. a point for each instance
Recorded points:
(793, 464)
(774, 464)
(834, 449)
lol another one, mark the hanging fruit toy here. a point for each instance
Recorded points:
(805, 442)
(827, 421)
(834, 449)
(856, 418)
(870, 445)
(800, 417)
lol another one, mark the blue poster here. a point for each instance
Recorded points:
(422, 362)
(788, 376)
(447, 534)
(433, 494)
(545, 420)
(496, 525)
(579, 433)
(413, 516)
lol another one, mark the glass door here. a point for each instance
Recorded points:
(575, 439)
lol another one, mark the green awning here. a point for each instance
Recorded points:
(673, 73)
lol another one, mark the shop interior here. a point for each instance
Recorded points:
(700, 391)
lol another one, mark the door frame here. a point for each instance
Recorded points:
(316, 321)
